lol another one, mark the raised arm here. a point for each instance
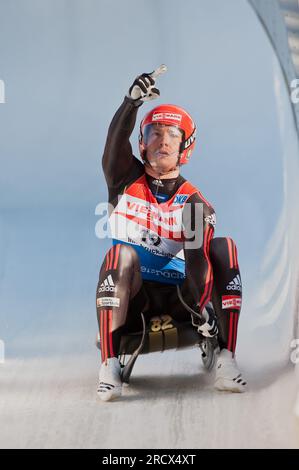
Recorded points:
(118, 160)
(119, 164)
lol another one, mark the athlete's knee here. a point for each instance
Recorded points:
(121, 257)
(224, 248)
(218, 246)
(128, 256)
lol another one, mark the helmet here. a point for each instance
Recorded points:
(171, 115)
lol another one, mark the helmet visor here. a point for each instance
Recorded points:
(154, 133)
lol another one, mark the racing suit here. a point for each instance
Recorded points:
(162, 236)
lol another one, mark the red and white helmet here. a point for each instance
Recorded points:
(171, 115)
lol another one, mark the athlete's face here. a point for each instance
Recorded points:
(163, 146)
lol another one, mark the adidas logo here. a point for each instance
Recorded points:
(107, 285)
(211, 219)
(158, 183)
(235, 284)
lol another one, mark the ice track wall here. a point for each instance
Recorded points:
(280, 20)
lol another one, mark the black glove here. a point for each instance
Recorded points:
(143, 87)
(206, 323)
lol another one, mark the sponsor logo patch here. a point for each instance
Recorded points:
(108, 302)
(107, 285)
(231, 301)
(167, 116)
(165, 274)
(190, 141)
(235, 284)
(180, 198)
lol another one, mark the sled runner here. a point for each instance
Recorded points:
(159, 334)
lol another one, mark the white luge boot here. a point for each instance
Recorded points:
(110, 384)
(228, 375)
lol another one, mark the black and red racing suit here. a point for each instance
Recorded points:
(210, 271)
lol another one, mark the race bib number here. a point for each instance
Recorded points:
(161, 323)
